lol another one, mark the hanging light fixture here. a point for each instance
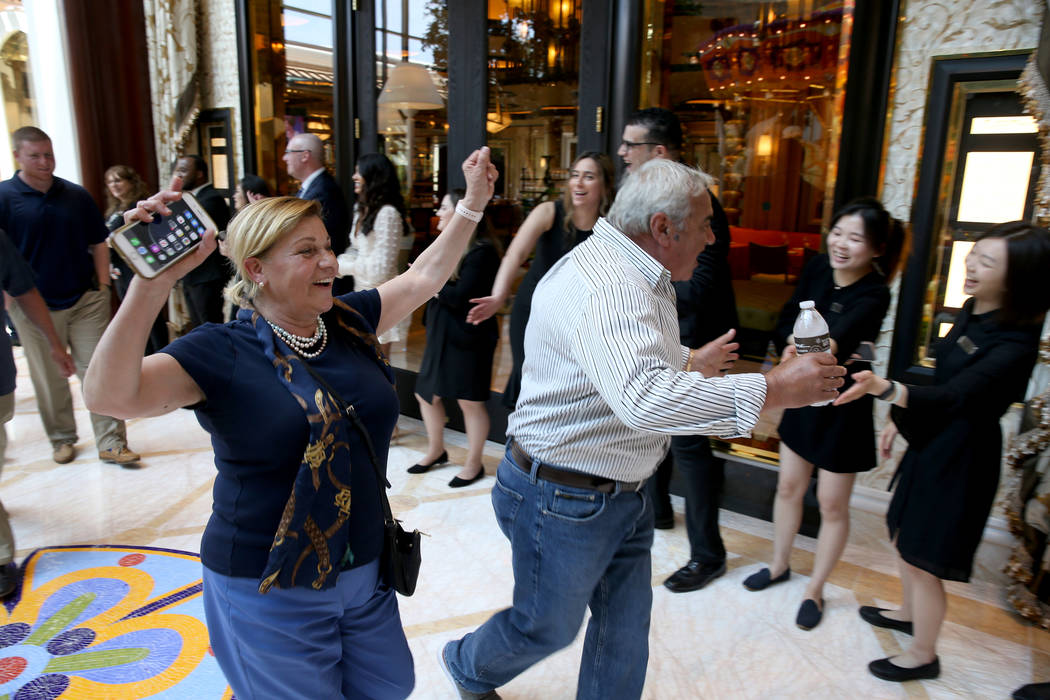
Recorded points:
(409, 88)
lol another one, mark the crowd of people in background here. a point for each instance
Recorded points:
(622, 337)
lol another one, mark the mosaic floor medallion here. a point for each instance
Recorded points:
(109, 622)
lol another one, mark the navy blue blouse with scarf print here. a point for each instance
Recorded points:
(259, 432)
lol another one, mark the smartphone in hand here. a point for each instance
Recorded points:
(865, 353)
(150, 248)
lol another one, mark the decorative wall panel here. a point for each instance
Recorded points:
(931, 28)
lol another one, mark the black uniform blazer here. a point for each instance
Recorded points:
(215, 266)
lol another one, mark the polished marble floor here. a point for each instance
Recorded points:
(722, 642)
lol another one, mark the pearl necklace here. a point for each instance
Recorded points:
(302, 344)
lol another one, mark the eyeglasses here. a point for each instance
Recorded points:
(634, 144)
(296, 150)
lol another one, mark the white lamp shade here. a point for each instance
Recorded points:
(410, 86)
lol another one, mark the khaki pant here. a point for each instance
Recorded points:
(7, 540)
(79, 327)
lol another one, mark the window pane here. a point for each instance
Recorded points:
(1004, 125)
(302, 28)
(323, 7)
(995, 186)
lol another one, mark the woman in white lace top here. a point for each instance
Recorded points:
(375, 237)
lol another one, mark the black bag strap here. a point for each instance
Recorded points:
(348, 410)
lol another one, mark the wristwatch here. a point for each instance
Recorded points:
(890, 393)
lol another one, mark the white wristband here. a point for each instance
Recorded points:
(469, 214)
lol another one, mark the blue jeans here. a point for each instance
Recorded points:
(572, 548)
(342, 642)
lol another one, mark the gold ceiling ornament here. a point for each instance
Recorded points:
(1036, 97)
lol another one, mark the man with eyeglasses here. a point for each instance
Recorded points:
(304, 159)
(706, 310)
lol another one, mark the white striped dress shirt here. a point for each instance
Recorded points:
(603, 386)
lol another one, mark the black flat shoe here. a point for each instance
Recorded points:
(457, 483)
(889, 671)
(424, 468)
(694, 576)
(809, 614)
(762, 580)
(1032, 691)
(10, 576)
(874, 616)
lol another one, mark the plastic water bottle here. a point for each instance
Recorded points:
(811, 334)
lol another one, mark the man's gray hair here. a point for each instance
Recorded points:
(660, 185)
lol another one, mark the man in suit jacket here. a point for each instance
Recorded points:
(304, 158)
(706, 310)
(203, 285)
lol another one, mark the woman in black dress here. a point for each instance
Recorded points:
(848, 285)
(553, 229)
(947, 480)
(457, 360)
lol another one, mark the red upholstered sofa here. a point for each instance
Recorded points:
(739, 255)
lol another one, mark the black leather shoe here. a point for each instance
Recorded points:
(889, 671)
(1032, 691)
(9, 578)
(458, 483)
(423, 468)
(762, 580)
(809, 614)
(874, 616)
(694, 576)
(664, 523)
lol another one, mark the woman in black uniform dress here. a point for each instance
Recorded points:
(553, 229)
(947, 480)
(457, 359)
(848, 286)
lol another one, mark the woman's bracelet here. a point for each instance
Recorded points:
(891, 392)
(469, 214)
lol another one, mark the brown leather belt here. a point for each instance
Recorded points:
(569, 478)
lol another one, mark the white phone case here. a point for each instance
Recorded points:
(158, 246)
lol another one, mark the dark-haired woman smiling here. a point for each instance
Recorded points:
(375, 237)
(947, 480)
(849, 287)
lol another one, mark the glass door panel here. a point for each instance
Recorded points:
(758, 88)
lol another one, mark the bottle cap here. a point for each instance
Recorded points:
(806, 305)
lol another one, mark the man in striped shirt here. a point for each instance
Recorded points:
(605, 385)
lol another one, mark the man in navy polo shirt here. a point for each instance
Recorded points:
(16, 278)
(58, 229)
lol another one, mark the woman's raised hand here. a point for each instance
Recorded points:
(481, 176)
(865, 382)
(146, 209)
(484, 309)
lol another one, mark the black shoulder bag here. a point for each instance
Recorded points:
(401, 555)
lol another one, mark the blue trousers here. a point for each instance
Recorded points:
(343, 642)
(572, 548)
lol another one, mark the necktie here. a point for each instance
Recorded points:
(300, 193)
